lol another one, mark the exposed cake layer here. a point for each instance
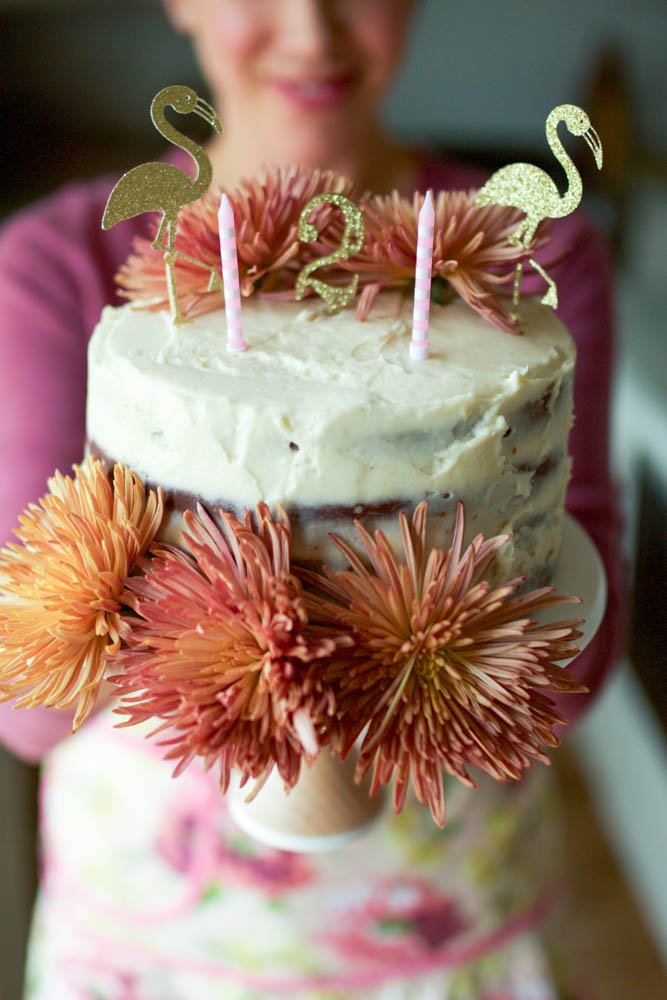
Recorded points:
(328, 416)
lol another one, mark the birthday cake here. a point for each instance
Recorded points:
(348, 509)
(329, 417)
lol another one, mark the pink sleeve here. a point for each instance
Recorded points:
(56, 274)
(42, 384)
(584, 290)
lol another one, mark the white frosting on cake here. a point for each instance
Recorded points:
(319, 409)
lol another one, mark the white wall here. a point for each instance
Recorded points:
(483, 70)
(491, 71)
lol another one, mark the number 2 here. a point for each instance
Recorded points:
(353, 237)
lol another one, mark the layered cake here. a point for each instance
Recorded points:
(377, 506)
(328, 416)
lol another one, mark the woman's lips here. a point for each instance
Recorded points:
(320, 94)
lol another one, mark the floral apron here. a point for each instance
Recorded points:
(150, 892)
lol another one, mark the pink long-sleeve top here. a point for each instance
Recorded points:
(56, 274)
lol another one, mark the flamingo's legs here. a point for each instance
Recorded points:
(517, 238)
(551, 296)
(177, 317)
(157, 242)
(215, 281)
(521, 238)
(515, 291)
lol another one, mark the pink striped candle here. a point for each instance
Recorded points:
(230, 277)
(423, 267)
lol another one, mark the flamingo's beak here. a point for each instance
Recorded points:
(593, 140)
(208, 113)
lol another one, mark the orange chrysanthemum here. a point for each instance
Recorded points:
(471, 250)
(446, 670)
(62, 602)
(266, 216)
(224, 652)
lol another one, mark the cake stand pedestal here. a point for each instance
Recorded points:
(326, 809)
(579, 570)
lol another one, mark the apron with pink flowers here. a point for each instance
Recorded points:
(150, 892)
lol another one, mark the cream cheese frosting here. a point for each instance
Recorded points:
(319, 409)
(330, 417)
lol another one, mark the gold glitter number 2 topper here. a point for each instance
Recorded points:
(335, 297)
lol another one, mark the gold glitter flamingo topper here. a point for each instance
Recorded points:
(162, 187)
(525, 186)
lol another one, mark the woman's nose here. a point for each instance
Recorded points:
(308, 26)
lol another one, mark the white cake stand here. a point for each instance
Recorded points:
(326, 809)
(579, 571)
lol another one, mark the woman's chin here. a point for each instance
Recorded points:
(312, 144)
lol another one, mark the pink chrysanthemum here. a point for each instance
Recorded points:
(61, 611)
(471, 250)
(224, 654)
(446, 670)
(266, 215)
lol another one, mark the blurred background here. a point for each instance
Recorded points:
(77, 80)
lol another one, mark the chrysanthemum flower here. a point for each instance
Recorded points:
(266, 216)
(224, 653)
(62, 590)
(471, 250)
(446, 670)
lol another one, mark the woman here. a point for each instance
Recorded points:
(149, 890)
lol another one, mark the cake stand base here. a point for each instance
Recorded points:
(325, 809)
